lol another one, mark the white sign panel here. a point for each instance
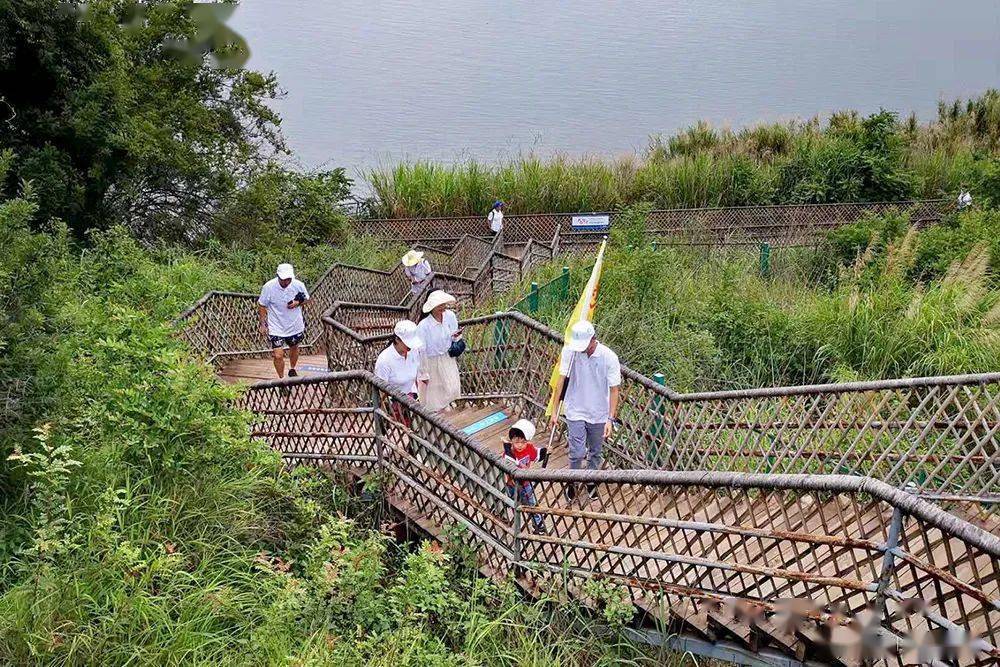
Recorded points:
(591, 221)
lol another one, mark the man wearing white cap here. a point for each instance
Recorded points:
(399, 364)
(417, 270)
(591, 374)
(279, 310)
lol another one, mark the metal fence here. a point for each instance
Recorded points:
(696, 548)
(778, 225)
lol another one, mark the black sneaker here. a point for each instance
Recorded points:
(540, 530)
(592, 491)
(570, 492)
(292, 373)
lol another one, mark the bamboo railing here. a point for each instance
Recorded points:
(784, 556)
(223, 325)
(936, 437)
(778, 225)
(716, 507)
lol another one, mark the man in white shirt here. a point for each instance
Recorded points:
(279, 310)
(496, 217)
(591, 374)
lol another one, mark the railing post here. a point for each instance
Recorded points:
(888, 559)
(517, 529)
(378, 427)
(564, 285)
(765, 260)
(533, 298)
(500, 342)
(652, 456)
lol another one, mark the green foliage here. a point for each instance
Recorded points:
(851, 158)
(278, 206)
(858, 161)
(878, 301)
(113, 128)
(142, 525)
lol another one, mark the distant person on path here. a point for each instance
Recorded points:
(418, 270)
(519, 448)
(496, 217)
(591, 374)
(439, 330)
(399, 364)
(964, 198)
(279, 310)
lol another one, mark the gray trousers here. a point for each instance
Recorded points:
(585, 444)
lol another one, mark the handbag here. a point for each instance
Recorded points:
(456, 348)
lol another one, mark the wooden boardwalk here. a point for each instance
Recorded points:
(257, 370)
(692, 555)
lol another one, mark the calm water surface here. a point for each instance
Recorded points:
(373, 82)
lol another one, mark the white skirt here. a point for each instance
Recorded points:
(444, 386)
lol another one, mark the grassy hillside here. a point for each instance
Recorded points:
(140, 525)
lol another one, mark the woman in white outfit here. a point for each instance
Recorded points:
(438, 330)
(418, 270)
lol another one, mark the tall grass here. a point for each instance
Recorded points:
(877, 302)
(849, 158)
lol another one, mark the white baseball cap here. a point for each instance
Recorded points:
(580, 336)
(525, 427)
(285, 271)
(407, 332)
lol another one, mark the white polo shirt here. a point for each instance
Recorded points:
(496, 220)
(282, 320)
(437, 335)
(400, 372)
(590, 381)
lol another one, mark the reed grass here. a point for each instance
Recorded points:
(847, 158)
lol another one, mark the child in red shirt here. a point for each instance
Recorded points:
(523, 452)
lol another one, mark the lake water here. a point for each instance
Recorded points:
(373, 82)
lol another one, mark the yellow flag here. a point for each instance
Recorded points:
(584, 311)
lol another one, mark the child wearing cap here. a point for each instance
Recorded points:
(519, 448)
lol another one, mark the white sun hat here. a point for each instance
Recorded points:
(412, 258)
(525, 427)
(580, 336)
(437, 298)
(407, 332)
(285, 271)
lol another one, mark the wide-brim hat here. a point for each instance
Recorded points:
(406, 331)
(580, 336)
(412, 258)
(525, 427)
(437, 298)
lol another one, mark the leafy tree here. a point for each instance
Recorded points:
(111, 126)
(280, 205)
